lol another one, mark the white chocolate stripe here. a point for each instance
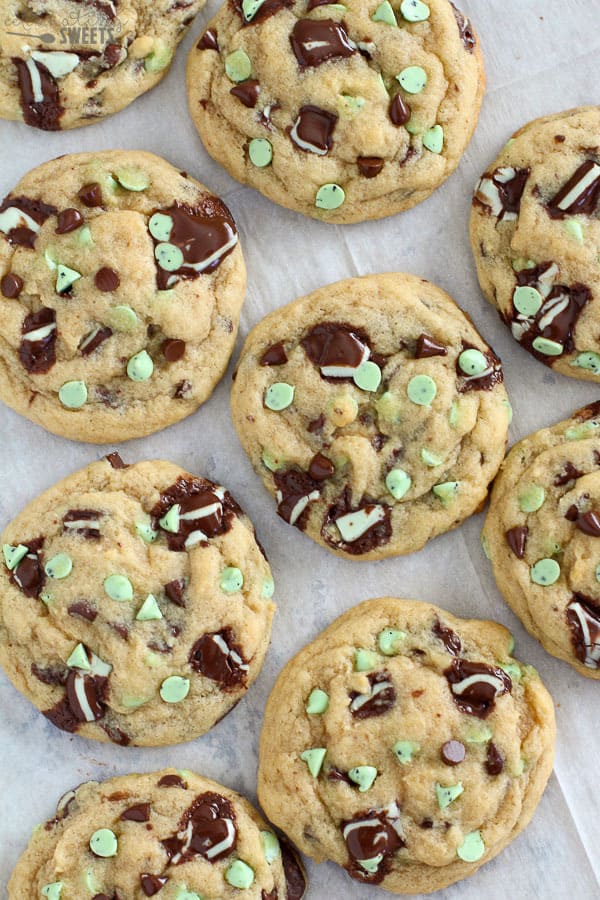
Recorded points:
(468, 682)
(360, 701)
(305, 145)
(13, 217)
(344, 371)
(38, 334)
(552, 309)
(225, 844)
(592, 649)
(201, 513)
(201, 266)
(86, 710)
(36, 81)
(588, 179)
(301, 505)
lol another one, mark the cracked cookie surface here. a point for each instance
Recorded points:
(535, 233)
(170, 833)
(374, 413)
(135, 603)
(66, 63)
(121, 284)
(542, 534)
(405, 744)
(340, 112)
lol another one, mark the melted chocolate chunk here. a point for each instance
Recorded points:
(569, 473)
(140, 812)
(371, 836)
(589, 523)
(115, 460)
(316, 425)
(107, 279)
(314, 41)
(37, 351)
(205, 234)
(400, 111)
(274, 355)
(272, 895)
(492, 375)
(453, 753)
(200, 509)
(183, 390)
(173, 349)
(378, 702)
(516, 538)
(267, 9)
(29, 575)
(94, 339)
(247, 92)
(321, 468)
(54, 675)
(152, 884)
(335, 344)
(82, 521)
(475, 686)
(11, 285)
(68, 220)
(295, 879)
(583, 618)
(82, 610)
(375, 536)
(296, 489)
(208, 828)
(115, 734)
(449, 638)
(91, 195)
(465, 29)
(507, 185)
(369, 166)
(174, 591)
(85, 696)
(208, 41)
(313, 127)
(218, 657)
(35, 80)
(573, 200)
(427, 346)
(172, 781)
(22, 235)
(61, 715)
(494, 761)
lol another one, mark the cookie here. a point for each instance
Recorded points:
(340, 112)
(535, 232)
(121, 283)
(542, 535)
(406, 745)
(374, 413)
(171, 833)
(66, 63)
(135, 603)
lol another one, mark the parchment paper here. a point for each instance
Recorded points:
(542, 57)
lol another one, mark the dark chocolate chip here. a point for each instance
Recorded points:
(138, 813)
(68, 220)
(516, 538)
(91, 195)
(494, 762)
(274, 355)
(107, 279)
(152, 884)
(173, 349)
(11, 285)
(321, 468)
(221, 660)
(427, 346)
(208, 41)
(247, 92)
(400, 111)
(479, 697)
(115, 460)
(369, 166)
(314, 41)
(453, 753)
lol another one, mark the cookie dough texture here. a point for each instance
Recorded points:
(121, 283)
(459, 736)
(385, 441)
(535, 232)
(120, 616)
(174, 833)
(66, 63)
(354, 116)
(542, 535)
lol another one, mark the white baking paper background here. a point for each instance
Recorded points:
(542, 56)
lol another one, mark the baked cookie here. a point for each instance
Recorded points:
(542, 535)
(121, 283)
(134, 603)
(535, 232)
(65, 63)
(406, 745)
(374, 413)
(171, 833)
(340, 112)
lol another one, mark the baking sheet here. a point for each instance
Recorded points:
(542, 56)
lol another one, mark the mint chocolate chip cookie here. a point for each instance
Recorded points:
(343, 112)
(119, 615)
(535, 231)
(406, 745)
(66, 63)
(172, 833)
(374, 413)
(542, 535)
(121, 283)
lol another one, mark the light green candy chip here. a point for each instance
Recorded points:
(79, 659)
(447, 491)
(232, 580)
(575, 230)
(433, 139)
(104, 843)
(454, 417)
(271, 847)
(160, 226)
(371, 865)
(368, 376)
(390, 641)
(447, 795)
(122, 318)
(580, 432)
(158, 60)
(421, 390)
(239, 874)
(318, 702)
(174, 689)
(387, 407)
(273, 463)
(60, 566)
(484, 546)
(545, 572)
(14, 555)
(478, 734)
(65, 278)
(146, 532)
(472, 362)
(118, 587)
(364, 660)
(149, 610)
(330, 196)
(268, 588)
(171, 519)
(169, 256)
(431, 459)
(532, 498)
(140, 367)
(527, 301)
(412, 79)
(349, 105)
(547, 347)
(589, 361)
(260, 151)
(398, 482)
(184, 894)
(133, 179)
(513, 670)
(363, 776)
(509, 410)
(50, 257)
(250, 8)
(279, 396)
(238, 66)
(405, 750)
(52, 891)
(84, 236)
(414, 10)
(314, 759)
(472, 848)
(73, 394)
(385, 13)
